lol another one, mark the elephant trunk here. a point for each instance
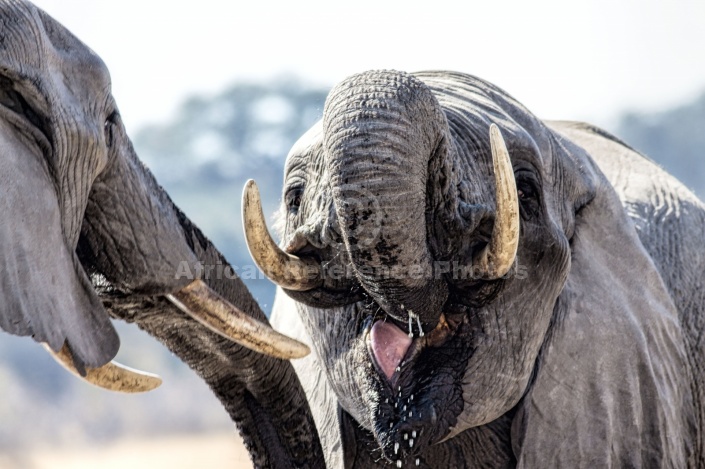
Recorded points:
(381, 130)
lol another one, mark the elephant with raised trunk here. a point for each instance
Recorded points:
(86, 231)
(484, 289)
(480, 288)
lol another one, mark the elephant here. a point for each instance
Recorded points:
(87, 233)
(481, 288)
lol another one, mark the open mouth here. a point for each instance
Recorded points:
(392, 348)
(410, 412)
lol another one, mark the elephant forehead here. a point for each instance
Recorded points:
(310, 140)
(35, 47)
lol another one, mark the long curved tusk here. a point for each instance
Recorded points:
(112, 376)
(497, 257)
(216, 313)
(286, 270)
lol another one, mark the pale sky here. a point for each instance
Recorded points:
(563, 59)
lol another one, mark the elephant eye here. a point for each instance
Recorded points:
(109, 128)
(293, 199)
(528, 195)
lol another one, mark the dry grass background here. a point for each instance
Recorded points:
(216, 451)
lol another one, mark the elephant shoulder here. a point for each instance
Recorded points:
(612, 385)
(668, 217)
(670, 222)
(638, 180)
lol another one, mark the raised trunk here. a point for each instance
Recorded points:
(381, 130)
(261, 394)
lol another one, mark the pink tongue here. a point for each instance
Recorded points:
(389, 345)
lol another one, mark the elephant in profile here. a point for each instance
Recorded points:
(87, 233)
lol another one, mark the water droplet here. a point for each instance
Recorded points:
(398, 463)
(396, 448)
(413, 434)
(406, 436)
(411, 443)
(404, 409)
(417, 461)
(411, 413)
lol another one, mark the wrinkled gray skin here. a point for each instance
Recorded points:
(86, 231)
(587, 354)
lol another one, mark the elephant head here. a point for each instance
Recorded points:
(75, 201)
(428, 257)
(87, 232)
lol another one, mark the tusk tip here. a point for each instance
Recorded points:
(250, 189)
(111, 376)
(300, 351)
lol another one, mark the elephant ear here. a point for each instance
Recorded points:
(610, 382)
(45, 292)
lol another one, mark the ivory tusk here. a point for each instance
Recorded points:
(498, 256)
(213, 311)
(112, 376)
(285, 270)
